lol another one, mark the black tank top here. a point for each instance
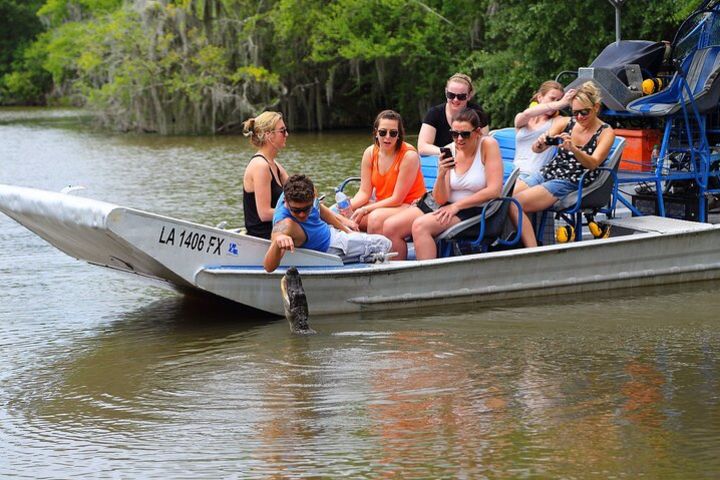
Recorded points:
(253, 224)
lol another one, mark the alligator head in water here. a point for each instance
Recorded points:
(295, 302)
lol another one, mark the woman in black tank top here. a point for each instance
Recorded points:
(264, 177)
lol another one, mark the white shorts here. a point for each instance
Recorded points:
(358, 246)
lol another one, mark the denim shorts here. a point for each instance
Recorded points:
(557, 188)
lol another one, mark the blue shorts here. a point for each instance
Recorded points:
(557, 188)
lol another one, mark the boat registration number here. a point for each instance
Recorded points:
(196, 241)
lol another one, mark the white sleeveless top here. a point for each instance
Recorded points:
(462, 186)
(525, 159)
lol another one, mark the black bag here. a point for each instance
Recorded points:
(427, 203)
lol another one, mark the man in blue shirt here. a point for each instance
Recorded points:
(301, 221)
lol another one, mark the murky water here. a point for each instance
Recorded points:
(103, 376)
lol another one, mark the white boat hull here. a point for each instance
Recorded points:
(637, 260)
(134, 241)
(192, 256)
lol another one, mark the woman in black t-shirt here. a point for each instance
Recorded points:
(435, 129)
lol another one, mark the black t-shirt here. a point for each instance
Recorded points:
(435, 117)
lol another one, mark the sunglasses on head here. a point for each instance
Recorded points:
(584, 112)
(453, 96)
(393, 133)
(456, 134)
(300, 210)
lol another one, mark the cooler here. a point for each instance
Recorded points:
(638, 148)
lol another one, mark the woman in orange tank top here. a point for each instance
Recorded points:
(391, 168)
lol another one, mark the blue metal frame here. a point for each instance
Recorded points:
(685, 131)
(573, 215)
(448, 248)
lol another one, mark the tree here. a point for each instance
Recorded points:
(529, 42)
(19, 25)
(199, 66)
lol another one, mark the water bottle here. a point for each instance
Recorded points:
(343, 203)
(655, 155)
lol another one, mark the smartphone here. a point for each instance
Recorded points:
(554, 140)
(446, 153)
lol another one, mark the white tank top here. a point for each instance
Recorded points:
(525, 159)
(470, 182)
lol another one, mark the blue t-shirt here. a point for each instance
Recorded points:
(315, 228)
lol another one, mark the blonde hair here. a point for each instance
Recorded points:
(545, 87)
(462, 78)
(257, 127)
(588, 94)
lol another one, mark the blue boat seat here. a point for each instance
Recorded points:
(593, 198)
(596, 194)
(429, 163)
(506, 140)
(489, 228)
(700, 73)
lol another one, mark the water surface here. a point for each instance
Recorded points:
(104, 376)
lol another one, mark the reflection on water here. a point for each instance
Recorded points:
(103, 376)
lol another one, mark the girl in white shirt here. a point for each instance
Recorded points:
(466, 180)
(535, 121)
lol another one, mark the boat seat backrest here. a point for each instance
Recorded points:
(428, 165)
(597, 194)
(701, 70)
(506, 140)
(495, 216)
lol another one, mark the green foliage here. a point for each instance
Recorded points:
(173, 66)
(160, 68)
(529, 42)
(57, 12)
(18, 26)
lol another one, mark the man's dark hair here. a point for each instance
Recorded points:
(299, 188)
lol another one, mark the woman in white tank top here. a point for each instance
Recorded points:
(535, 121)
(466, 180)
(465, 184)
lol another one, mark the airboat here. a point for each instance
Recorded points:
(656, 244)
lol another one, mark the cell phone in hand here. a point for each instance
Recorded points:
(445, 154)
(554, 140)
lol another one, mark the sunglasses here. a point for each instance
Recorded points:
(393, 133)
(300, 210)
(283, 130)
(584, 112)
(456, 134)
(453, 96)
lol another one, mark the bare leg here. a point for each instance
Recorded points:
(533, 199)
(376, 218)
(424, 231)
(519, 187)
(399, 226)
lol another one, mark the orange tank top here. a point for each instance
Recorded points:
(384, 184)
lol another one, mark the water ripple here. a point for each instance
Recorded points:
(103, 376)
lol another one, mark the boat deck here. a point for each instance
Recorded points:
(654, 224)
